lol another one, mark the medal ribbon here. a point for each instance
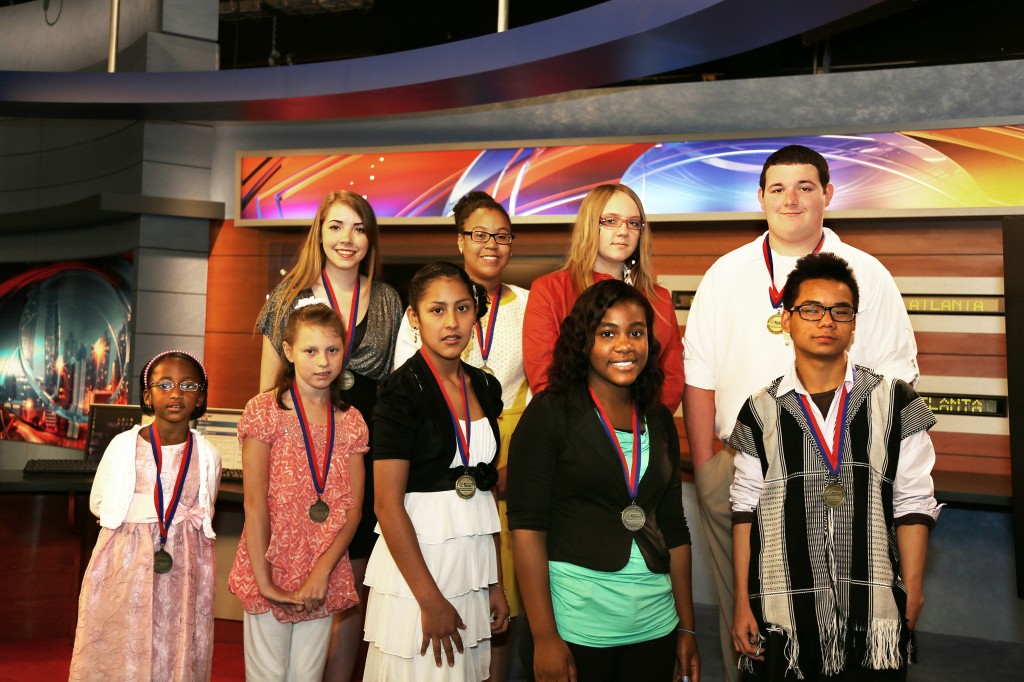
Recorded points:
(163, 518)
(833, 457)
(319, 482)
(461, 439)
(353, 311)
(775, 295)
(485, 348)
(632, 475)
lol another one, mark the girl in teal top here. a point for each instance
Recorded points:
(601, 544)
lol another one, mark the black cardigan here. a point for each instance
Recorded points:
(565, 478)
(411, 421)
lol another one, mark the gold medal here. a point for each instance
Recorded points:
(162, 561)
(633, 517)
(775, 323)
(318, 511)
(834, 495)
(487, 369)
(465, 486)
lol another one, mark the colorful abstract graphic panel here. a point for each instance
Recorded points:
(954, 168)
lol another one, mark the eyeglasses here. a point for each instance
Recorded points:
(186, 386)
(812, 312)
(613, 222)
(483, 236)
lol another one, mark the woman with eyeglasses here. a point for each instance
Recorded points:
(610, 240)
(484, 237)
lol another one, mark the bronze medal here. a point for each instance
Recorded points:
(318, 511)
(775, 323)
(465, 486)
(633, 517)
(834, 495)
(348, 380)
(162, 561)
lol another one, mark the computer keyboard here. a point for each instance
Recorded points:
(231, 475)
(60, 466)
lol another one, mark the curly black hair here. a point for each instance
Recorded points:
(571, 361)
(472, 201)
(445, 270)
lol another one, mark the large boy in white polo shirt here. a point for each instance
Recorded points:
(735, 344)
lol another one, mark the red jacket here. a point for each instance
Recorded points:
(552, 297)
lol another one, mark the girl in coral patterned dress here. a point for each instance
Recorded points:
(302, 463)
(146, 608)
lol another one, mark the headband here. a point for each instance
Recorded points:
(312, 300)
(145, 372)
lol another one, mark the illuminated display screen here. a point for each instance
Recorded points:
(912, 169)
(977, 305)
(980, 405)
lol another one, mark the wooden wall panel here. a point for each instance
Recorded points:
(949, 265)
(950, 343)
(962, 365)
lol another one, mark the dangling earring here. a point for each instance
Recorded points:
(416, 335)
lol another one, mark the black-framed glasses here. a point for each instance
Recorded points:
(812, 312)
(613, 222)
(187, 386)
(483, 236)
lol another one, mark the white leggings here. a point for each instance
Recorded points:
(284, 652)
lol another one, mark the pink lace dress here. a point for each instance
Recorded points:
(134, 623)
(296, 542)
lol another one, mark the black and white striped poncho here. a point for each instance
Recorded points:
(829, 579)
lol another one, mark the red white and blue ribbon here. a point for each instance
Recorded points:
(461, 439)
(353, 311)
(774, 294)
(164, 517)
(630, 468)
(833, 456)
(319, 481)
(485, 346)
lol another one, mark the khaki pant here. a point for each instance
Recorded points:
(712, 482)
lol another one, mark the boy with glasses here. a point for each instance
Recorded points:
(831, 502)
(735, 342)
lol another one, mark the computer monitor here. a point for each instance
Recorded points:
(105, 422)
(220, 426)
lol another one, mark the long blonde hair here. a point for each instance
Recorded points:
(310, 263)
(586, 233)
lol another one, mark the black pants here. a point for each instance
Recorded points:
(650, 661)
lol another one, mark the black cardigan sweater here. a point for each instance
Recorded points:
(411, 421)
(565, 478)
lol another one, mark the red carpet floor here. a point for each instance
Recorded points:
(49, 660)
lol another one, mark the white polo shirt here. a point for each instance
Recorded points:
(730, 351)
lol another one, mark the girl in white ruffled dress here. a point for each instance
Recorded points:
(435, 575)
